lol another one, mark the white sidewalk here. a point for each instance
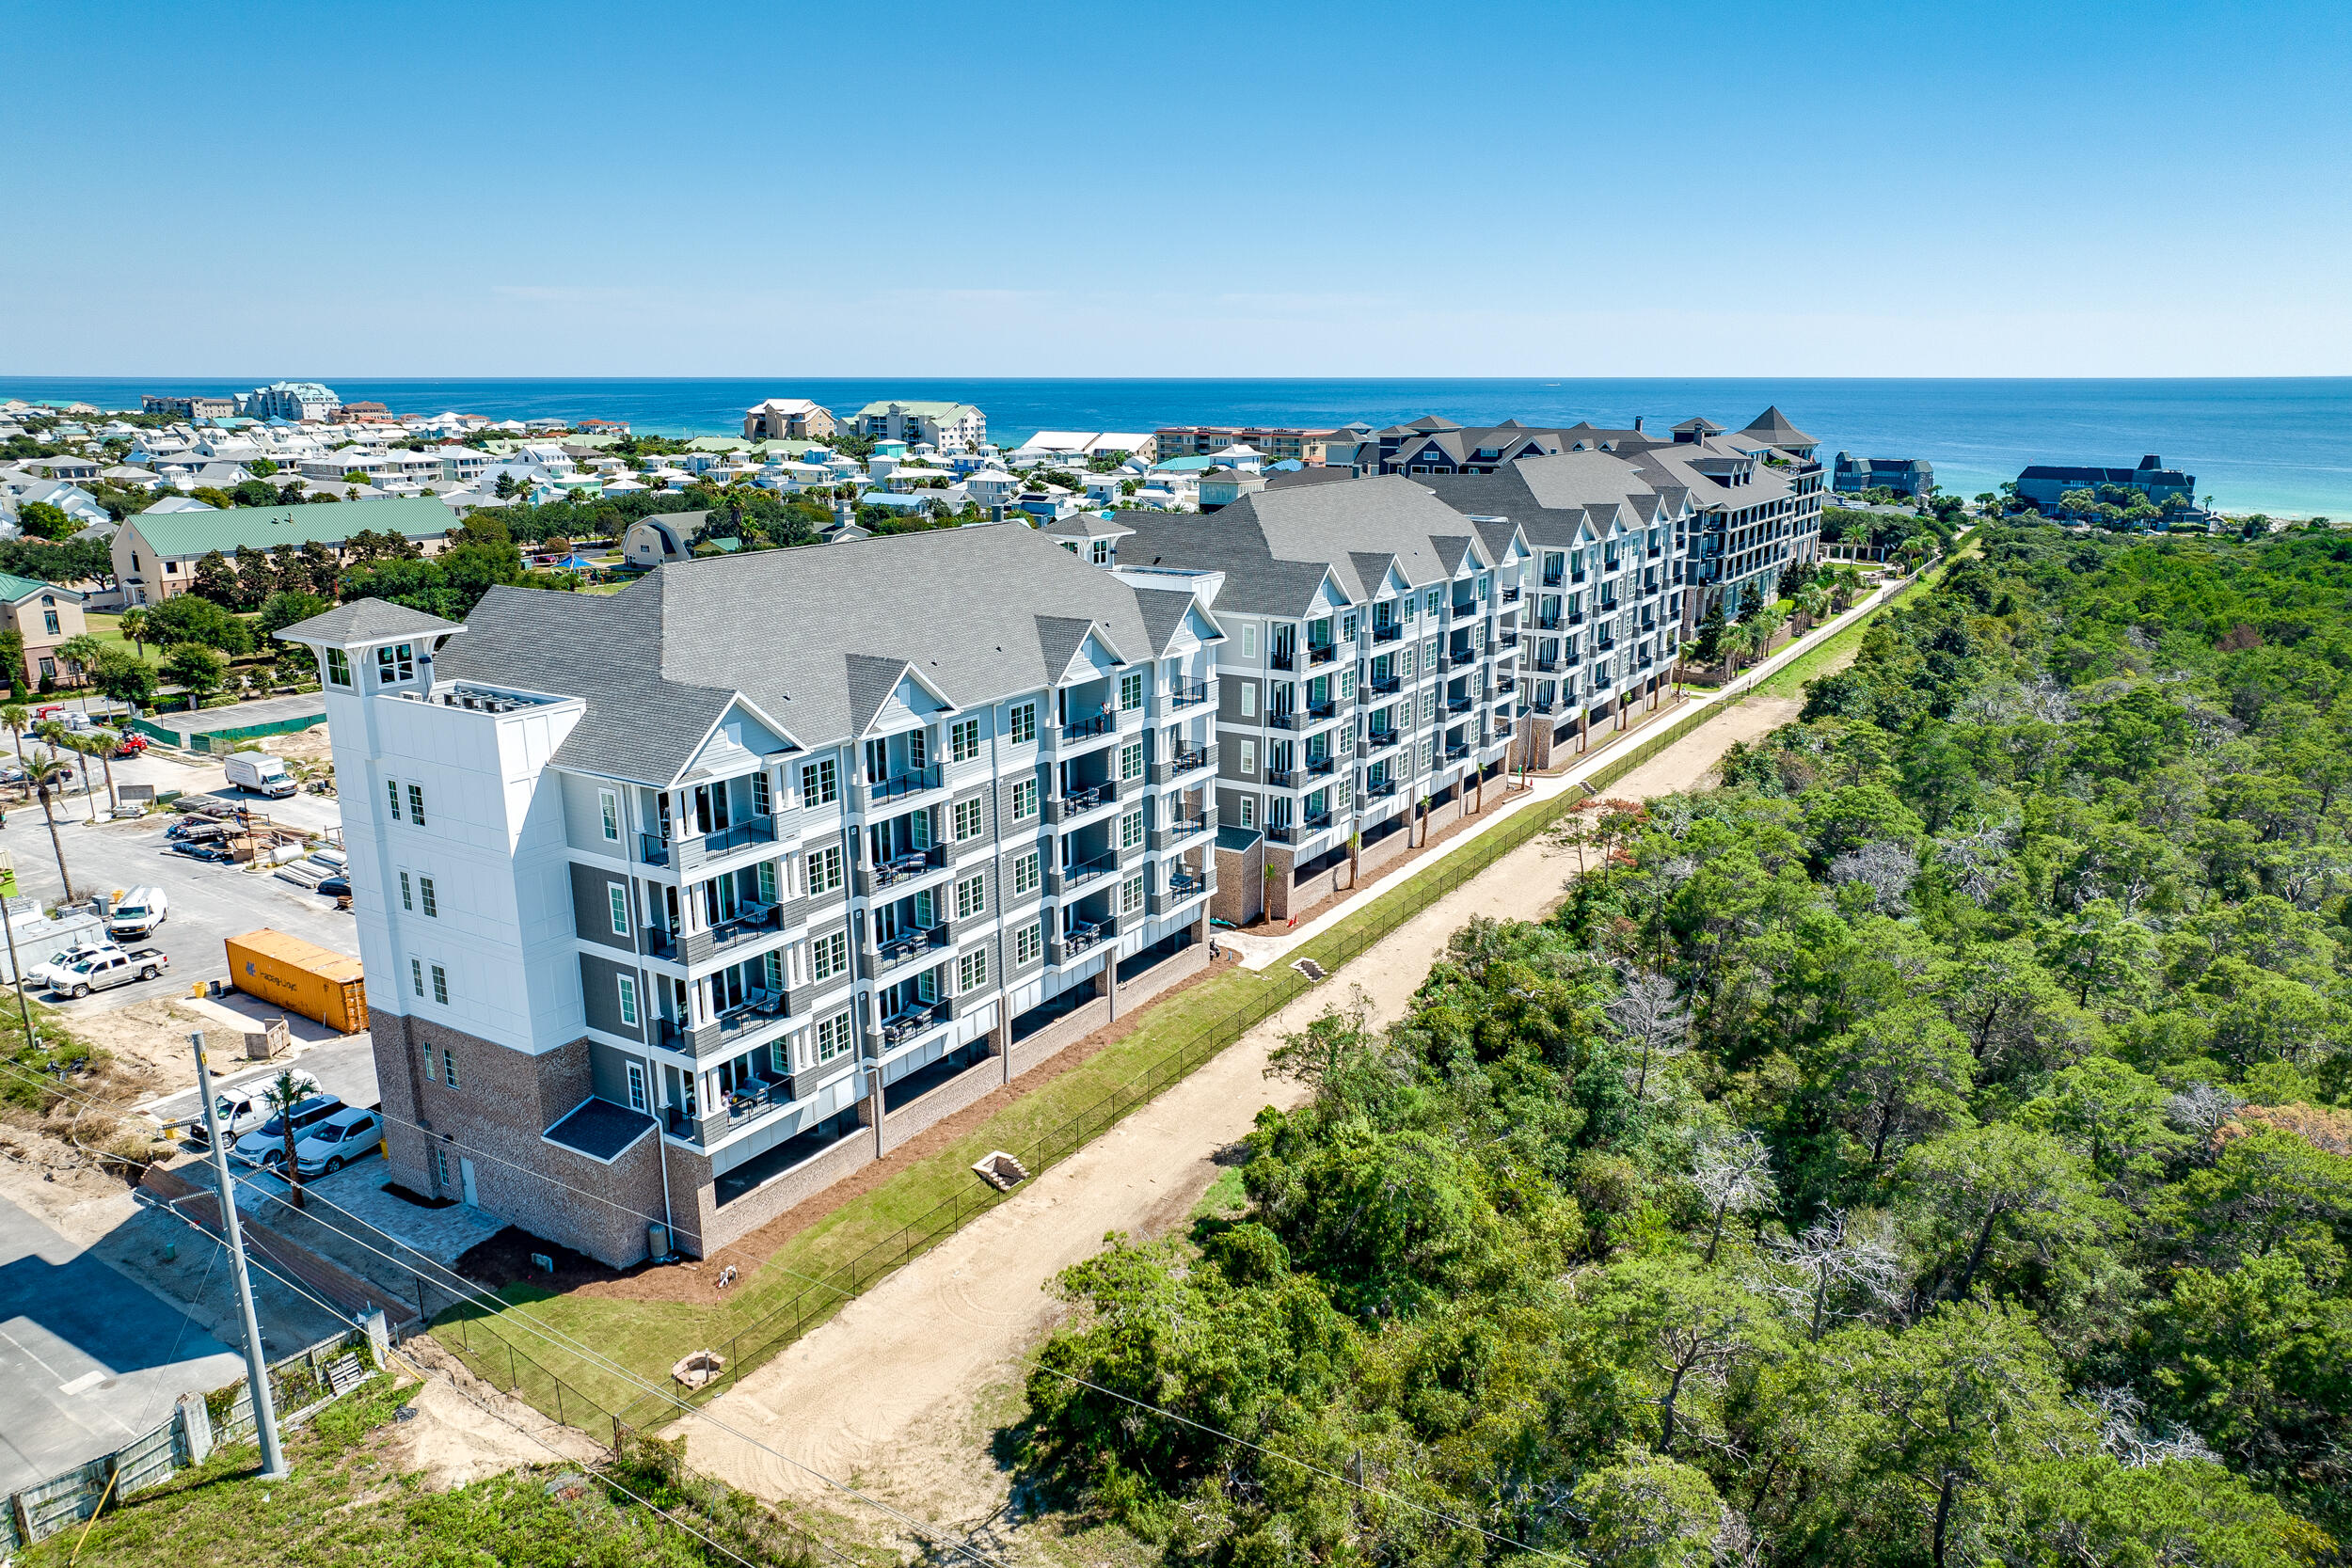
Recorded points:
(1257, 952)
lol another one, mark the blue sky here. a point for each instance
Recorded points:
(1566, 189)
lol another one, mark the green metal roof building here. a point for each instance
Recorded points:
(155, 552)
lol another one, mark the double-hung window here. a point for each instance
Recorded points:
(820, 783)
(1131, 830)
(1027, 943)
(617, 907)
(425, 901)
(609, 815)
(338, 667)
(833, 1036)
(1025, 800)
(629, 1000)
(968, 818)
(1130, 895)
(416, 804)
(971, 897)
(1131, 761)
(441, 995)
(963, 740)
(825, 869)
(1021, 726)
(1025, 874)
(972, 970)
(829, 956)
(1131, 690)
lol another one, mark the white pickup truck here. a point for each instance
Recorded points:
(108, 966)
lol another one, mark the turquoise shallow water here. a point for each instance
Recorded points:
(2275, 445)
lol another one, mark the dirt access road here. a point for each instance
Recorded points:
(903, 1390)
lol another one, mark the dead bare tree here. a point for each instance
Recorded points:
(1649, 1012)
(1836, 1269)
(1733, 1176)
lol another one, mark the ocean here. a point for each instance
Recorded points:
(2281, 446)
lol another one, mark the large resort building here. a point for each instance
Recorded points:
(679, 905)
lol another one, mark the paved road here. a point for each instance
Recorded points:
(88, 1359)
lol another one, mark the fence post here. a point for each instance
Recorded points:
(559, 1402)
(513, 1383)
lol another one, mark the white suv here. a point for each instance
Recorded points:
(332, 1144)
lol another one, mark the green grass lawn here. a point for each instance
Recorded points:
(348, 1505)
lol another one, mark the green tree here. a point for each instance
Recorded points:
(45, 522)
(283, 608)
(197, 670)
(126, 679)
(188, 618)
(214, 579)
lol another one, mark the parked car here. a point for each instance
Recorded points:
(335, 887)
(347, 1136)
(130, 745)
(212, 852)
(110, 967)
(260, 773)
(141, 910)
(265, 1146)
(243, 1108)
(52, 972)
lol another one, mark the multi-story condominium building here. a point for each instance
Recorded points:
(787, 420)
(1367, 677)
(289, 400)
(2043, 483)
(188, 406)
(1277, 442)
(1906, 476)
(1601, 608)
(948, 426)
(678, 905)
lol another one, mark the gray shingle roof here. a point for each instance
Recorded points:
(365, 619)
(600, 1129)
(1275, 546)
(1773, 426)
(657, 662)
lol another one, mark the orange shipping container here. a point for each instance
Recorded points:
(301, 977)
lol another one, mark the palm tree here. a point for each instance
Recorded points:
(134, 625)
(16, 718)
(284, 1093)
(1813, 604)
(100, 744)
(62, 739)
(48, 773)
(81, 651)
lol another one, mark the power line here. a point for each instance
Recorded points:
(501, 1309)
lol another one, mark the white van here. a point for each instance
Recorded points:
(137, 913)
(260, 773)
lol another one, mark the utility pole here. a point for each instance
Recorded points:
(24, 1010)
(255, 1363)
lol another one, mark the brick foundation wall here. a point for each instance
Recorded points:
(1063, 1032)
(1240, 893)
(973, 1084)
(715, 1227)
(503, 1101)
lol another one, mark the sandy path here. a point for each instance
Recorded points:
(902, 1391)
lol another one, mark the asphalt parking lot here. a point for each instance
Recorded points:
(88, 1359)
(209, 903)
